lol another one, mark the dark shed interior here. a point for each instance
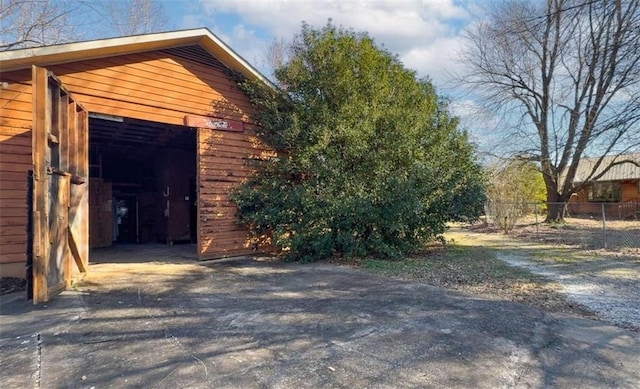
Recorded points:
(142, 185)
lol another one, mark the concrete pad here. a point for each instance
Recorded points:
(246, 323)
(22, 326)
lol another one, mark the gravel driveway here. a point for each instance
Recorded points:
(611, 289)
(605, 283)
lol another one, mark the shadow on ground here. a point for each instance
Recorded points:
(247, 323)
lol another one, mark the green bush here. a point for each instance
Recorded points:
(370, 161)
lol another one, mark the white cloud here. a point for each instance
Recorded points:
(423, 33)
(436, 60)
(191, 21)
(245, 39)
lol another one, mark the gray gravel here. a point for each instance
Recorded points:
(608, 287)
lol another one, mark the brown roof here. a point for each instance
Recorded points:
(624, 171)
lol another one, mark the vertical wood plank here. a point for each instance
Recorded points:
(81, 202)
(72, 133)
(63, 131)
(199, 215)
(75, 191)
(59, 257)
(39, 134)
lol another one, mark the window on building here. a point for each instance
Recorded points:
(604, 191)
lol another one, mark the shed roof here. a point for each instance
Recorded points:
(78, 51)
(623, 171)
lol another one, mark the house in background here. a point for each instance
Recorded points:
(126, 140)
(617, 190)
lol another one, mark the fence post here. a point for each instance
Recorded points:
(604, 227)
(535, 210)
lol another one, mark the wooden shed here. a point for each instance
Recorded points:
(127, 140)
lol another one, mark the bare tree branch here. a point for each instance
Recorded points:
(30, 23)
(573, 69)
(134, 17)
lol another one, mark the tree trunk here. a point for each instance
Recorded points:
(555, 207)
(555, 213)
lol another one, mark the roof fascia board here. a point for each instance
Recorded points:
(231, 59)
(79, 51)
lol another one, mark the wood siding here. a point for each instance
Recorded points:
(630, 191)
(222, 165)
(153, 86)
(15, 163)
(159, 87)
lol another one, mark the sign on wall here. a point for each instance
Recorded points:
(213, 123)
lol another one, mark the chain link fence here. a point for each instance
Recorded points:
(612, 226)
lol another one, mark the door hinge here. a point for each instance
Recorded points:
(54, 170)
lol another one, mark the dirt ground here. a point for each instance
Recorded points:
(621, 237)
(474, 269)
(12, 285)
(592, 283)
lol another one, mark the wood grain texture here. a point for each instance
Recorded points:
(222, 166)
(153, 86)
(15, 163)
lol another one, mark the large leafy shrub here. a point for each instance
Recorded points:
(369, 162)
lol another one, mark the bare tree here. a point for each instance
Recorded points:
(28, 23)
(566, 75)
(134, 17)
(277, 54)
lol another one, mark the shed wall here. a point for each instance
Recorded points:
(153, 86)
(222, 165)
(15, 163)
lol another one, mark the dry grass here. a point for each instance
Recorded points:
(470, 267)
(620, 236)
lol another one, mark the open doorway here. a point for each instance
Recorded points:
(141, 185)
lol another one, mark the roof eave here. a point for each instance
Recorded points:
(230, 58)
(103, 48)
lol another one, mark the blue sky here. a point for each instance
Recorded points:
(425, 34)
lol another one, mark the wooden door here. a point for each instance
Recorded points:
(202, 244)
(59, 209)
